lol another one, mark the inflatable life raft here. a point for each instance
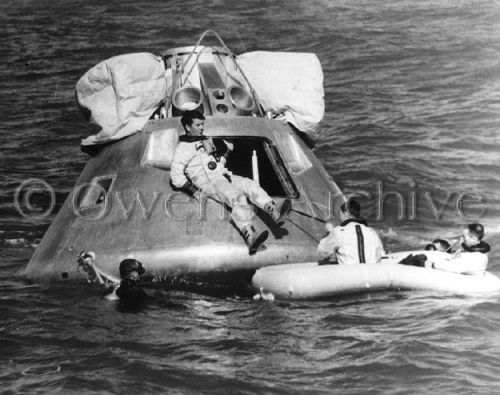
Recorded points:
(311, 280)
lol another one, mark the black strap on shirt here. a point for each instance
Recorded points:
(361, 244)
(358, 220)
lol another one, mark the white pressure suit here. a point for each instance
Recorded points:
(471, 263)
(196, 162)
(352, 242)
(467, 260)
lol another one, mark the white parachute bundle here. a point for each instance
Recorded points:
(119, 95)
(288, 83)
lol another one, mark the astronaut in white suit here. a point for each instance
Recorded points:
(197, 165)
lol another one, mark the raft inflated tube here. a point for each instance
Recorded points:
(310, 280)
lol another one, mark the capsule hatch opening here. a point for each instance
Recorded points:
(274, 177)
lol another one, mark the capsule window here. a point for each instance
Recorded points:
(161, 149)
(294, 155)
(97, 191)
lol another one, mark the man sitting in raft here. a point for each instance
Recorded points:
(353, 241)
(438, 245)
(197, 165)
(472, 256)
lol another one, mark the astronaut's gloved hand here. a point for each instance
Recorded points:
(209, 146)
(189, 188)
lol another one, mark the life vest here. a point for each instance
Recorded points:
(482, 247)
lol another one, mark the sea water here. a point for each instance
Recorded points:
(412, 95)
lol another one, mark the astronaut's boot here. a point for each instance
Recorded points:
(278, 214)
(254, 238)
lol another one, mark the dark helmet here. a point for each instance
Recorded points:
(477, 230)
(131, 265)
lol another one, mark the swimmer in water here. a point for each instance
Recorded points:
(130, 292)
(127, 290)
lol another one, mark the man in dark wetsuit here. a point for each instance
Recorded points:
(129, 291)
